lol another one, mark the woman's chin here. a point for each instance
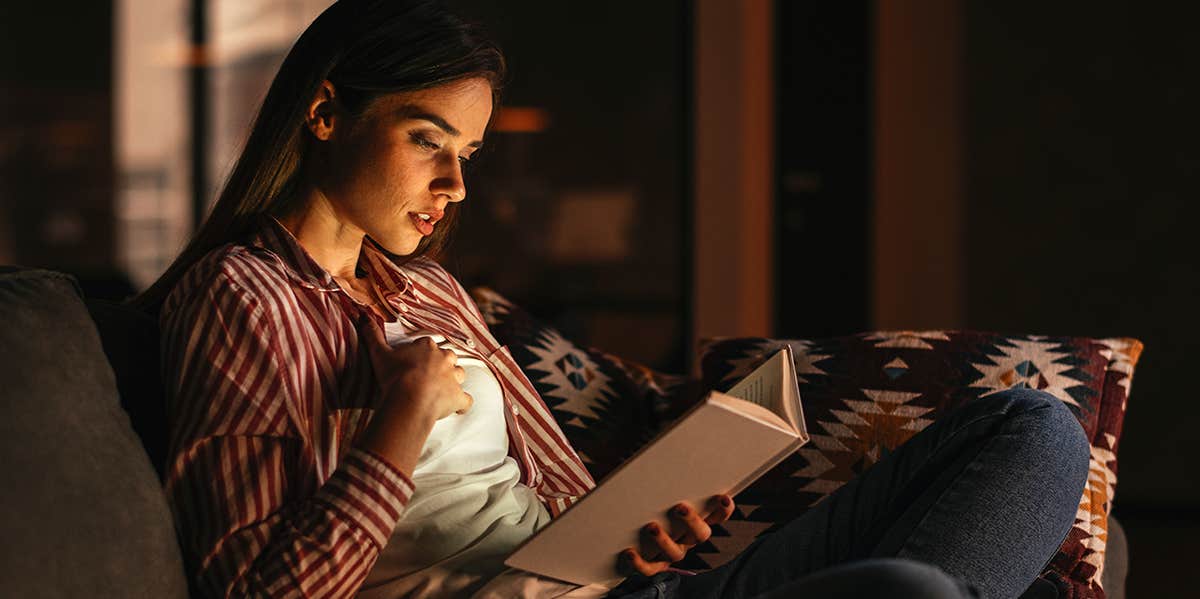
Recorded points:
(403, 249)
(398, 247)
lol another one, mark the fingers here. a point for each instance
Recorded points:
(631, 561)
(656, 542)
(722, 508)
(687, 527)
(374, 339)
(689, 530)
(470, 401)
(374, 336)
(437, 367)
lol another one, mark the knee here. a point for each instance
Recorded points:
(1049, 424)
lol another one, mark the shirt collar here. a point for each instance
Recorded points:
(300, 266)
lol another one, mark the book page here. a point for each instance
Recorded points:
(752, 411)
(790, 394)
(764, 386)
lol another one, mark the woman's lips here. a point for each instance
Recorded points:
(424, 226)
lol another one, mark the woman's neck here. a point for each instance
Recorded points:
(333, 243)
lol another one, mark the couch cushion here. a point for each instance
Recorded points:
(130, 340)
(865, 394)
(84, 515)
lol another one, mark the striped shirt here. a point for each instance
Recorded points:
(269, 389)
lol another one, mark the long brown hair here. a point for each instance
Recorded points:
(365, 48)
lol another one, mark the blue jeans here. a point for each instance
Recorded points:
(975, 505)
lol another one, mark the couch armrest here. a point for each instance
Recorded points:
(1116, 561)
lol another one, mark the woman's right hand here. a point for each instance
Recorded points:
(421, 384)
(418, 373)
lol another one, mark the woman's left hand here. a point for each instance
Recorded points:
(659, 548)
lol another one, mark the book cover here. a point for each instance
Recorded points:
(721, 445)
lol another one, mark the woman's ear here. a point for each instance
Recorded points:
(319, 118)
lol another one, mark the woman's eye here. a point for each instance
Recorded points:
(433, 147)
(425, 143)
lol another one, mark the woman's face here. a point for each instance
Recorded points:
(392, 171)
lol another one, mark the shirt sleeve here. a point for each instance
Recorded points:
(247, 526)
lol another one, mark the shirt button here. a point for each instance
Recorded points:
(404, 307)
(470, 343)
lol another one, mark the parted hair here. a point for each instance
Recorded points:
(365, 48)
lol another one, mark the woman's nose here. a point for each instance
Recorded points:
(449, 181)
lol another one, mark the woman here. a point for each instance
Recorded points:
(342, 422)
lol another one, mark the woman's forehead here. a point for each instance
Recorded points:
(470, 95)
(460, 107)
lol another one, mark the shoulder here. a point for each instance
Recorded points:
(425, 272)
(229, 275)
(426, 267)
(435, 281)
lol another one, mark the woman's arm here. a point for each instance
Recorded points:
(245, 537)
(241, 455)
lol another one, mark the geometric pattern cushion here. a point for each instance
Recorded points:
(863, 396)
(866, 394)
(606, 406)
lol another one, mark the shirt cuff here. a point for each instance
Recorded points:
(558, 505)
(368, 492)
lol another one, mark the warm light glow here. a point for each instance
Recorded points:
(521, 119)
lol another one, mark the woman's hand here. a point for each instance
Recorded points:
(418, 373)
(659, 548)
(421, 384)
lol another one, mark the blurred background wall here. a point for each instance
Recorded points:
(56, 149)
(669, 170)
(1081, 172)
(1035, 167)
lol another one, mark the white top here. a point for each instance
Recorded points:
(468, 510)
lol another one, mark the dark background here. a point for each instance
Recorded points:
(56, 157)
(1082, 172)
(1082, 177)
(1080, 164)
(615, 93)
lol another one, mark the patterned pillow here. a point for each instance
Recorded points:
(606, 406)
(905, 380)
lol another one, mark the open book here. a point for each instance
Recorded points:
(721, 445)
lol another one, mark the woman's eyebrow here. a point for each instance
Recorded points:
(416, 112)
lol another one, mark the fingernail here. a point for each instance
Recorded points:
(681, 510)
(725, 501)
(651, 528)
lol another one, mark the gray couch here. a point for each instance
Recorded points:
(81, 433)
(83, 514)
